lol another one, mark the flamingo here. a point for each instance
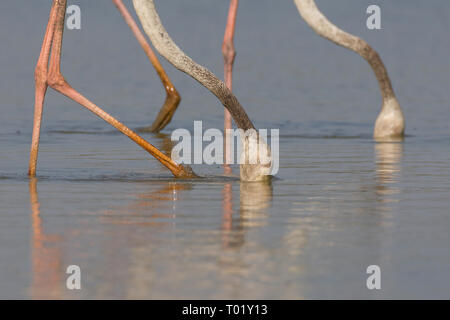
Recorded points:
(390, 123)
(48, 74)
(255, 163)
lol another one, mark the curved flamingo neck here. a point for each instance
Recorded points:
(322, 26)
(152, 25)
(253, 166)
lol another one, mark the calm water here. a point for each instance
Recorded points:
(341, 203)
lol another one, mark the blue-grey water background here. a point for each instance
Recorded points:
(341, 203)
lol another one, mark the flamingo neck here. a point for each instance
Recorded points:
(390, 123)
(250, 170)
(322, 26)
(153, 27)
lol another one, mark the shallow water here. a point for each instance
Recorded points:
(341, 201)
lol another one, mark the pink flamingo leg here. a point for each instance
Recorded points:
(40, 76)
(56, 81)
(172, 96)
(229, 54)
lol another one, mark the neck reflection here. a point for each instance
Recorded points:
(255, 199)
(388, 158)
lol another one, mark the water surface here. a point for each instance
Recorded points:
(341, 201)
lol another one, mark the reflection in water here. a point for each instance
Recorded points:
(154, 212)
(388, 168)
(133, 239)
(156, 208)
(151, 267)
(158, 245)
(46, 255)
(236, 262)
(166, 144)
(227, 214)
(256, 197)
(48, 268)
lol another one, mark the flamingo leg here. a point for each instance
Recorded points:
(229, 53)
(56, 81)
(172, 96)
(41, 85)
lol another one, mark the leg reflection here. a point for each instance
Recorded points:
(227, 214)
(46, 257)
